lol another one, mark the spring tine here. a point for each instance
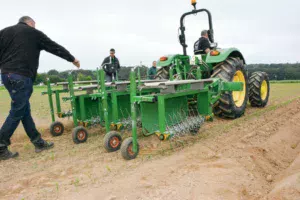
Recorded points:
(195, 119)
(180, 129)
(185, 127)
(121, 110)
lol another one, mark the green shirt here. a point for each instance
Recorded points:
(152, 73)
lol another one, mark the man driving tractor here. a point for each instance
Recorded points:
(202, 46)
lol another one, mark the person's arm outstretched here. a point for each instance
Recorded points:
(52, 47)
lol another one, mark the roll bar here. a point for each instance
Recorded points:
(182, 28)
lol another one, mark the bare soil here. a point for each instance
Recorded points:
(254, 157)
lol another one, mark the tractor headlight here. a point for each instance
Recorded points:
(214, 53)
(164, 58)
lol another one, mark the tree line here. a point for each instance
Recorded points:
(275, 71)
(85, 75)
(278, 71)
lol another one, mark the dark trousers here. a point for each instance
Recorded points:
(20, 89)
(110, 77)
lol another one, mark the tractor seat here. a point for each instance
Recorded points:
(199, 52)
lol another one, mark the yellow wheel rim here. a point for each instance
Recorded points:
(264, 90)
(239, 96)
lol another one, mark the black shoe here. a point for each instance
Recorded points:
(5, 154)
(43, 145)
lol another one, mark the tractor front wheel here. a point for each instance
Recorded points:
(112, 141)
(127, 149)
(79, 135)
(57, 129)
(162, 73)
(259, 89)
(231, 104)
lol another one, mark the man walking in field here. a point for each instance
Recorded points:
(20, 47)
(111, 65)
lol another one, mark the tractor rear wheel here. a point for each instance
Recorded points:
(231, 104)
(162, 73)
(259, 89)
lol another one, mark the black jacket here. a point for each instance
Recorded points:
(111, 65)
(20, 47)
(201, 45)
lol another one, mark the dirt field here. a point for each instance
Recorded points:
(254, 157)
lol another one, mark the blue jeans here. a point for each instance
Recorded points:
(20, 89)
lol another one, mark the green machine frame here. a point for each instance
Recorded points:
(107, 104)
(173, 97)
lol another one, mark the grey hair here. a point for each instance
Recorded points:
(204, 32)
(25, 19)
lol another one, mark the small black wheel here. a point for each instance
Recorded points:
(57, 129)
(79, 135)
(127, 151)
(112, 141)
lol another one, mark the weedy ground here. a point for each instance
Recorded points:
(254, 157)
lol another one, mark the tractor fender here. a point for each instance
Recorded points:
(167, 62)
(224, 54)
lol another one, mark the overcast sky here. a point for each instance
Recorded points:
(265, 31)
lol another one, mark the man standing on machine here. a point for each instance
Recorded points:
(111, 65)
(202, 46)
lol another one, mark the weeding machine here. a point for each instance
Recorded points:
(198, 88)
(107, 104)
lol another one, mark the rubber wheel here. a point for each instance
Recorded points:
(79, 135)
(162, 73)
(126, 149)
(231, 104)
(259, 91)
(112, 141)
(57, 129)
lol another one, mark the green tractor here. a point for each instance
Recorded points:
(226, 64)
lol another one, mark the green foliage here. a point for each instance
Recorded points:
(143, 71)
(286, 81)
(41, 78)
(124, 73)
(278, 71)
(53, 72)
(55, 79)
(81, 77)
(275, 72)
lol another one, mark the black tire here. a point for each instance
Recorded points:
(257, 97)
(112, 141)
(126, 149)
(57, 129)
(162, 73)
(226, 106)
(79, 135)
